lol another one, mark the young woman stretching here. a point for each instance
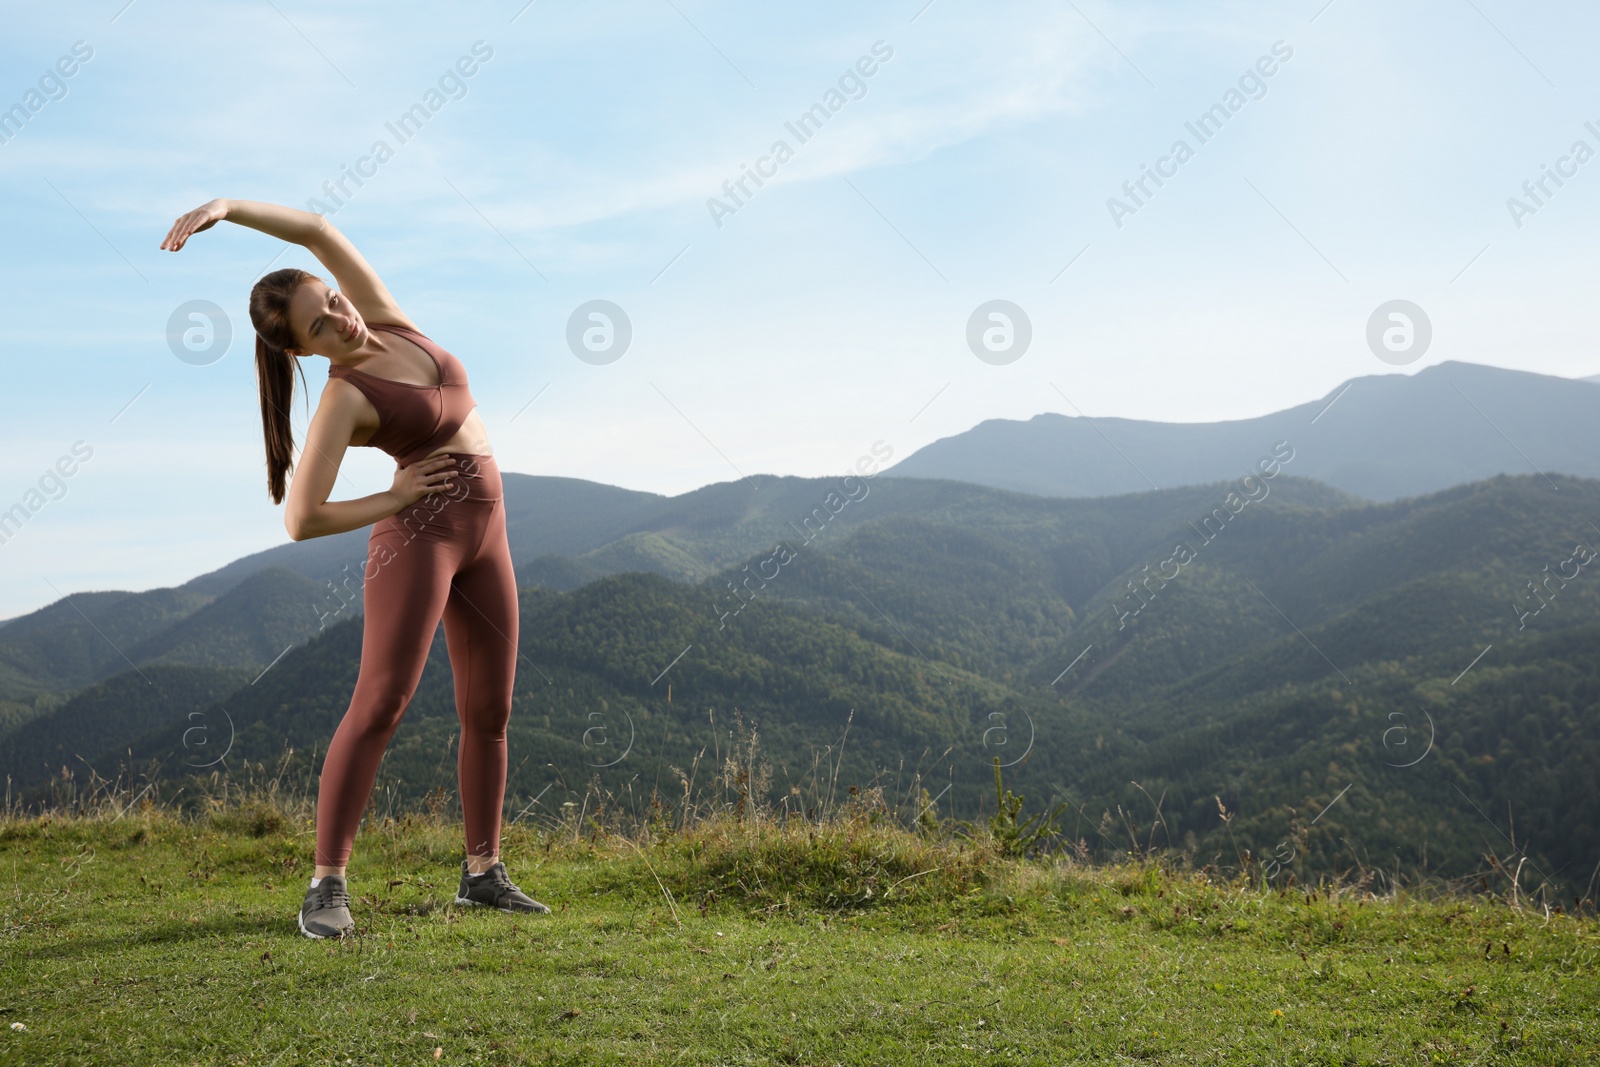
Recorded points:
(438, 544)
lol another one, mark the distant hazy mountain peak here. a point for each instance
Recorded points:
(1379, 436)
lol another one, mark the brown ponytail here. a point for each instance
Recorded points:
(275, 369)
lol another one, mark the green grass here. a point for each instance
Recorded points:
(155, 937)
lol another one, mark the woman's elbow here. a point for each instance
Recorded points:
(295, 525)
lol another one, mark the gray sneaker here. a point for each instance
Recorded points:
(326, 911)
(493, 888)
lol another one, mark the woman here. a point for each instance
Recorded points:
(438, 544)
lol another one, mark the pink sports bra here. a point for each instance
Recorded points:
(413, 420)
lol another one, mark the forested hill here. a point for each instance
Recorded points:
(1409, 683)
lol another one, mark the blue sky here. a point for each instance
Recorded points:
(830, 310)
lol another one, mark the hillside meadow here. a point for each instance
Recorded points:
(720, 930)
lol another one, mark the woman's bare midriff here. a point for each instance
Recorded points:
(472, 438)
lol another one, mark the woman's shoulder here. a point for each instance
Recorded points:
(403, 327)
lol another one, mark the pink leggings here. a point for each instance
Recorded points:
(445, 556)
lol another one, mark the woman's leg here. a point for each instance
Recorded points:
(480, 627)
(405, 586)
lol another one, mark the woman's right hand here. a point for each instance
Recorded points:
(423, 478)
(203, 217)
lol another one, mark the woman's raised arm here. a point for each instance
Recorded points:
(355, 275)
(285, 223)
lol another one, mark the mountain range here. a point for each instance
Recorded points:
(1259, 663)
(1380, 437)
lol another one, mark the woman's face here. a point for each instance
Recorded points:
(325, 321)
